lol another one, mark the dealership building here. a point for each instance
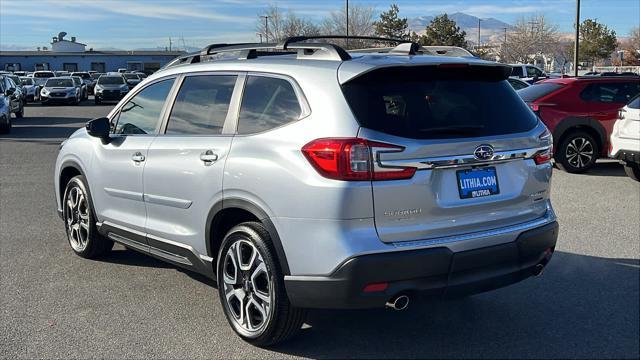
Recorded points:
(71, 55)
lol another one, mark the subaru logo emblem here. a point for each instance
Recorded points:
(483, 152)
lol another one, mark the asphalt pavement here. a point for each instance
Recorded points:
(54, 304)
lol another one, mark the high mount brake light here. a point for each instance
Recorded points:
(351, 159)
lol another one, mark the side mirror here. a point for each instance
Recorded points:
(10, 91)
(99, 128)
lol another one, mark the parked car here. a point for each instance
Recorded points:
(110, 87)
(87, 79)
(141, 75)
(528, 73)
(5, 108)
(96, 75)
(625, 138)
(61, 73)
(41, 77)
(132, 79)
(122, 70)
(13, 93)
(20, 73)
(351, 182)
(518, 84)
(580, 112)
(60, 90)
(29, 86)
(84, 93)
(21, 92)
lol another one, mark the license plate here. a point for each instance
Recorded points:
(479, 182)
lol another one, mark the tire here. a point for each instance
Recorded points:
(5, 128)
(80, 221)
(20, 114)
(96, 100)
(632, 170)
(272, 318)
(577, 152)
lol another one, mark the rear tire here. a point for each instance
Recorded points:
(5, 128)
(20, 114)
(96, 100)
(632, 170)
(251, 287)
(577, 152)
(80, 221)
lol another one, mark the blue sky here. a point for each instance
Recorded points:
(147, 24)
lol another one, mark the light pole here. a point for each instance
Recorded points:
(576, 47)
(347, 16)
(266, 27)
(479, 33)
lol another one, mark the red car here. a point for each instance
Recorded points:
(580, 113)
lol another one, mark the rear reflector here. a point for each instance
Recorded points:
(351, 159)
(375, 287)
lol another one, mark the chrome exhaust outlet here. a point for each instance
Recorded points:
(398, 303)
(537, 271)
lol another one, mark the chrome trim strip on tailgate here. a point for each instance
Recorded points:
(461, 160)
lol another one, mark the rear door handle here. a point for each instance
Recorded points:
(208, 157)
(137, 157)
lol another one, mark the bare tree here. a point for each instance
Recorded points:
(361, 23)
(530, 37)
(282, 24)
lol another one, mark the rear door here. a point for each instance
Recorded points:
(184, 170)
(605, 98)
(471, 138)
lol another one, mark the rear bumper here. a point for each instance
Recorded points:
(435, 271)
(627, 156)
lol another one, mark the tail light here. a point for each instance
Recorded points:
(544, 156)
(351, 159)
(536, 107)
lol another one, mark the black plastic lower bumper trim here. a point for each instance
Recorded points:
(435, 271)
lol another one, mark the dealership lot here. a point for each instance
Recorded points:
(56, 304)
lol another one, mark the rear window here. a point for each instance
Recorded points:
(59, 83)
(82, 75)
(131, 76)
(43, 74)
(517, 71)
(536, 91)
(110, 80)
(26, 81)
(437, 103)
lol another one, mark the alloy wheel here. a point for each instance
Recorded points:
(248, 287)
(580, 152)
(76, 215)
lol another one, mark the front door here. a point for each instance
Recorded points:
(184, 170)
(116, 171)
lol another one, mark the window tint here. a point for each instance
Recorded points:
(267, 103)
(517, 71)
(201, 105)
(517, 84)
(533, 71)
(433, 103)
(141, 114)
(536, 91)
(615, 92)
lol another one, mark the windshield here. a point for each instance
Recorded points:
(536, 91)
(431, 103)
(132, 76)
(82, 75)
(77, 80)
(110, 80)
(46, 74)
(26, 81)
(59, 83)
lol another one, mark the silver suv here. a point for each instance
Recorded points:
(298, 175)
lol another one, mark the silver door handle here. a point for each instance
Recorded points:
(137, 157)
(208, 157)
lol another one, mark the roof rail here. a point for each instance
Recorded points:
(294, 44)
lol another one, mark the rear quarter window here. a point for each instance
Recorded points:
(613, 92)
(635, 103)
(267, 103)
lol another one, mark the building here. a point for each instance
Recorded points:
(70, 55)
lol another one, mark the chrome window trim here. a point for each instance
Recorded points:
(459, 160)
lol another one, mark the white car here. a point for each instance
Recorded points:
(527, 73)
(625, 138)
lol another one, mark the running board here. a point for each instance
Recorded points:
(170, 251)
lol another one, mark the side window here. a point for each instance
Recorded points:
(635, 103)
(141, 114)
(201, 105)
(533, 72)
(607, 92)
(517, 71)
(267, 103)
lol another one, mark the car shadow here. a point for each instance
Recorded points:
(608, 167)
(582, 306)
(37, 128)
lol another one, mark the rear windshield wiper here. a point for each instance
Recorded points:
(454, 129)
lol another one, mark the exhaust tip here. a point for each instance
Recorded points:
(398, 303)
(537, 271)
